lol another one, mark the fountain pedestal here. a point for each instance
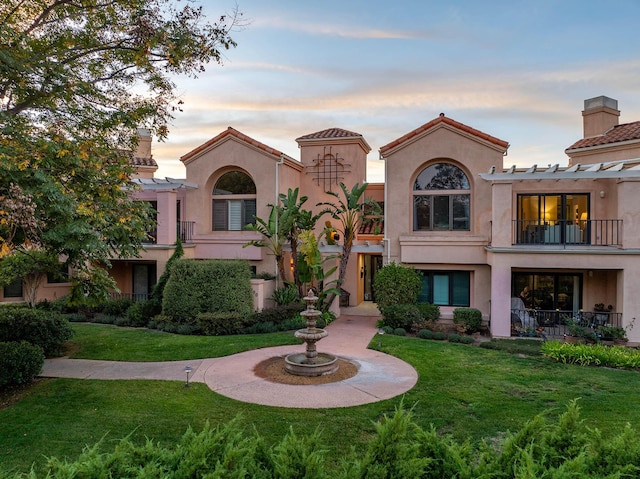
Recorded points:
(311, 363)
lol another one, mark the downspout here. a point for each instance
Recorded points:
(386, 240)
(278, 163)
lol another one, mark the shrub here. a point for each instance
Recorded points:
(116, 307)
(425, 334)
(209, 286)
(439, 336)
(592, 354)
(287, 295)
(430, 312)
(469, 318)
(387, 329)
(158, 290)
(20, 363)
(47, 330)
(261, 328)
(396, 284)
(121, 321)
(104, 319)
(466, 340)
(401, 315)
(60, 305)
(141, 312)
(75, 317)
(400, 332)
(454, 338)
(278, 314)
(219, 324)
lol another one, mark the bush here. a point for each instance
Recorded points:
(104, 319)
(425, 334)
(466, 340)
(287, 295)
(47, 330)
(219, 324)
(75, 317)
(141, 312)
(387, 329)
(439, 336)
(396, 284)
(469, 318)
(60, 305)
(401, 315)
(278, 314)
(454, 338)
(20, 363)
(592, 354)
(430, 312)
(400, 332)
(209, 286)
(261, 328)
(116, 307)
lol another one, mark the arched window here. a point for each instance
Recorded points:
(234, 202)
(441, 199)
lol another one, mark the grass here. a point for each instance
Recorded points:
(100, 341)
(464, 391)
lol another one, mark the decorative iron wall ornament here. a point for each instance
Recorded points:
(328, 169)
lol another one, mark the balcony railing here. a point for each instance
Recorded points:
(566, 232)
(184, 231)
(553, 323)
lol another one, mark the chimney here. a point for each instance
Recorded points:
(144, 143)
(600, 114)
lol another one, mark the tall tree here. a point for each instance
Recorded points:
(349, 211)
(77, 78)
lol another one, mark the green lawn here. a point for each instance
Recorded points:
(464, 391)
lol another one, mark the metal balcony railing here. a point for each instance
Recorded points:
(553, 323)
(566, 232)
(185, 230)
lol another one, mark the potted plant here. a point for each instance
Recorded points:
(575, 333)
(602, 313)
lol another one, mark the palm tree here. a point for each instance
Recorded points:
(273, 231)
(349, 211)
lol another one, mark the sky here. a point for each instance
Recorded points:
(516, 70)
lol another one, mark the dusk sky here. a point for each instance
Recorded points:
(517, 70)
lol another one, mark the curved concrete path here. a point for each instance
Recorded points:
(380, 376)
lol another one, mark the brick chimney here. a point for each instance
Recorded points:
(600, 114)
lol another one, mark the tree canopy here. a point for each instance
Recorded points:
(77, 79)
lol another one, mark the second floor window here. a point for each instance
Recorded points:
(234, 202)
(441, 199)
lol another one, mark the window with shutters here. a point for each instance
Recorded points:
(234, 202)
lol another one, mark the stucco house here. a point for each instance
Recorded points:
(526, 246)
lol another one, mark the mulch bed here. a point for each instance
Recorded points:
(273, 369)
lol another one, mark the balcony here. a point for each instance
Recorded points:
(184, 231)
(553, 323)
(566, 232)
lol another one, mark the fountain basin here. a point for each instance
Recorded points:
(302, 365)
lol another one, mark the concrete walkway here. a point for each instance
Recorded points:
(379, 376)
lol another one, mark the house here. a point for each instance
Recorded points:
(560, 239)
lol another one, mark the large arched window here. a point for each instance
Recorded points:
(234, 202)
(441, 199)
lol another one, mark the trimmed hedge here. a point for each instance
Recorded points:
(20, 363)
(396, 284)
(470, 318)
(219, 324)
(45, 329)
(401, 315)
(209, 286)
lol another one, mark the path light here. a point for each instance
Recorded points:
(380, 331)
(187, 369)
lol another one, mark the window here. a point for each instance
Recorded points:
(234, 202)
(548, 291)
(553, 218)
(445, 288)
(60, 276)
(441, 199)
(13, 289)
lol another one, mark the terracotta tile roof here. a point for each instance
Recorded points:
(624, 132)
(237, 134)
(140, 161)
(443, 119)
(330, 133)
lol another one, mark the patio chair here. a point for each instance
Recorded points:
(519, 314)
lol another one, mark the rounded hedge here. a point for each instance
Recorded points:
(45, 329)
(20, 363)
(396, 284)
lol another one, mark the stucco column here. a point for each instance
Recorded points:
(501, 214)
(629, 278)
(628, 212)
(500, 298)
(167, 217)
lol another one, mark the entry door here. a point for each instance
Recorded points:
(372, 263)
(142, 280)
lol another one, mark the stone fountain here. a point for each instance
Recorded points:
(311, 363)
